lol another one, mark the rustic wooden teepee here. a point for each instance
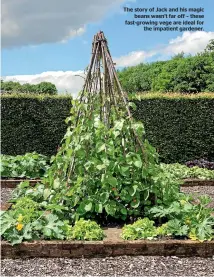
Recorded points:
(102, 79)
(102, 82)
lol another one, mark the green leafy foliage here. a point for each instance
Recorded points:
(25, 203)
(51, 227)
(24, 189)
(188, 217)
(186, 74)
(85, 230)
(41, 88)
(179, 171)
(176, 228)
(111, 179)
(161, 231)
(17, 223)
(28, 220)
(30, 165)
(141, 229)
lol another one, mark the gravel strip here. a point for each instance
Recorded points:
(5, 194)
(117, 266)
(199, 189)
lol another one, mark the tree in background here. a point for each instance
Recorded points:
(186, 74)
(210, 46)
(10, 86)
(28, 88)
(140, 77)
(46, 88)
(41, 88)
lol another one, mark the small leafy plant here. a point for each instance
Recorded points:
(141, 229)
(85, 230)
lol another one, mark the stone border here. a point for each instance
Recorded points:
(8, 183)
(106, 248)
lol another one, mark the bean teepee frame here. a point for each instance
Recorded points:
(102, 82)
(102, 79)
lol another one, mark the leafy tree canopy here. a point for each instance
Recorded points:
(186, 74)
(41, 88)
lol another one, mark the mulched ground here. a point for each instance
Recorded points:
(117, 266)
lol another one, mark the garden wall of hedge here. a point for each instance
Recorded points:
(180, 127)
(33, 123)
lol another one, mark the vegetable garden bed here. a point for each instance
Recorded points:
(105, 172)
(112, 245)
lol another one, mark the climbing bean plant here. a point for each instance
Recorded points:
(112, 177)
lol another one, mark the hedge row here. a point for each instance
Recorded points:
(33, 123)
(180, 127)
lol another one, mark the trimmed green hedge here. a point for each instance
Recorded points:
(181, 127)
(33, 123)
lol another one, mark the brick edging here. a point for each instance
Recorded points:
(12, 183)
(187, 182)
(197, 182)
(78, 249)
